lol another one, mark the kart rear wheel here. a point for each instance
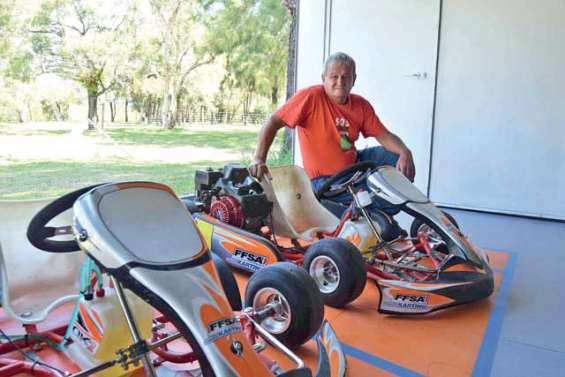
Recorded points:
(338, 269)
(299, 309)
(419, 226)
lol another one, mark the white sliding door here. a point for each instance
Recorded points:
(499, 140)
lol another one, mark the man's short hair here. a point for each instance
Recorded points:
(340, 58)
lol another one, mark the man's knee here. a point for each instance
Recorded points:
(378, 155)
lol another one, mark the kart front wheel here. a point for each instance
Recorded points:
(296, 308)
(418, 226)
(338, 269)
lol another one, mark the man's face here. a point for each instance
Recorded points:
(338, 81)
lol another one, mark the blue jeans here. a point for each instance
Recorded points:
(376, 154)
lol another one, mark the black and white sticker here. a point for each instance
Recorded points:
(405, 303)
(248, 260)
(222, 327)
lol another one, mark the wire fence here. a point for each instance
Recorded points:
(212, 118)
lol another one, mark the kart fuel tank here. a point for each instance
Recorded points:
(100, 328)
(359, 233)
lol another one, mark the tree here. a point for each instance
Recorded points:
(16, 67)
(86, 41)
(291, 66)
(181, 52)
(256, 32)
(6, 7)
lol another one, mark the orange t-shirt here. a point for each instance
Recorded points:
(326, 146)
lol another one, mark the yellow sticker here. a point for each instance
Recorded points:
(206, 229)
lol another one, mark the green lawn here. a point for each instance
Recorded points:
(239, 140)
(38, 177)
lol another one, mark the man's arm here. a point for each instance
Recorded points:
(258, 166)
(394, 144)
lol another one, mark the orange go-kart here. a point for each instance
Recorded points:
(252, 224)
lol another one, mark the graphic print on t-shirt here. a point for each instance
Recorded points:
(342, 126)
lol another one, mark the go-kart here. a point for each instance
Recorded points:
(152, 294)
(243, 222)
(251, 225)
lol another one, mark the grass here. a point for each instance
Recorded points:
(24, 132)
(31, 179)
(234, 139)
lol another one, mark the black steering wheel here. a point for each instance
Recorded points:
(38, 233)
(352, 175)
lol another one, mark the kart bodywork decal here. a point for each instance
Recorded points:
(418, 300)
(222, 327)
(331, 353)
(206, 229)
(224, 331)
(240, 251)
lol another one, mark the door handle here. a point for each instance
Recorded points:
(418, 75)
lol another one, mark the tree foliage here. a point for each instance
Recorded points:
(85, 41)
(253, 34)
(160, 56)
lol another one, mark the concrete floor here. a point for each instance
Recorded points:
(531, 340)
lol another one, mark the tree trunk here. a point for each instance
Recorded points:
(158, 106)
(291, 67)
(112, 111)
(275, 95)
(246, 107)
(170, 109)
(92, 109)
(126, 111)
(166, 112)
(292, 44)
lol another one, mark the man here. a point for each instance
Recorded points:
(329, 120)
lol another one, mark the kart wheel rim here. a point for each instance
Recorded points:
(429, 231)
(325, 273)
(280, 321)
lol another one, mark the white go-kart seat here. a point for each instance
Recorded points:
(297, 213)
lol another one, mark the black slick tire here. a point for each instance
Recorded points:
(290, 283)
(338, 269)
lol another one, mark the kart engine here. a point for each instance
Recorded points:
(232, 196)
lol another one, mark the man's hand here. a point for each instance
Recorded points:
(258, 169)
(405, 165)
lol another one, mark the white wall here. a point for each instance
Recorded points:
(499, 141)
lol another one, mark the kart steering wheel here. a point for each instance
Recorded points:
(351, 175)
(38, 233)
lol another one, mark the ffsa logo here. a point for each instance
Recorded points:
(222, 327)
(218, 325)
(246, 255)
(411, 298)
